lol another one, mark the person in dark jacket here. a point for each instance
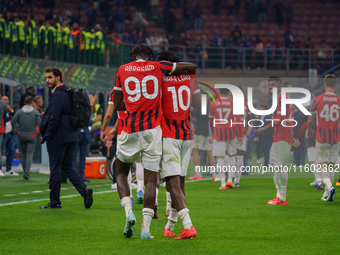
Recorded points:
(61, 139)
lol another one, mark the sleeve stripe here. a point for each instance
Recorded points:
(166, 63)
(110, 102)
(117, 88)
(173, 68)
(196, 91)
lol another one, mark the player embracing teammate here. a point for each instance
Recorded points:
(138, 91)
(177, 92)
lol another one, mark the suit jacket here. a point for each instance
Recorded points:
(55, 125)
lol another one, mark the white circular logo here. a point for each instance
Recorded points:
(102, 169)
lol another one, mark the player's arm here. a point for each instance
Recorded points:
(118, 99)
(310, 123)
(106, 121)
(182, 67)
(113, 131)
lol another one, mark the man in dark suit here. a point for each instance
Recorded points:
(61, 138)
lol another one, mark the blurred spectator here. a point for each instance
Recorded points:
(237, 5)
(249, 8)
(337, 53)
(247, 43)
(198, 52)
(289, 13)
(120, 17)
(278, 55)
(261, 13)
(216, 7)
(230, 7)
(139, 20)
(269, 54)
(278, 9)
(169, 20)
(90, 13)
(84, 5)
(236, 33)
(259, 46)
(49, 15)
(188, 16)
(7, 141)
(141, 37)
(29, 5)
(197, 11)
(153, 41)
(133, 37)
(163, 41)
(154, 9)
(29, 92)
(125, 37)
(298, 56)
(289, 38)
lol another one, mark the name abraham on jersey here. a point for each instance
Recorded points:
(139, 68)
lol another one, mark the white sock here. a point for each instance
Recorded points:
(140, 176)
(239, 164)
(129, 182)
(221, 174)
(172, 219)
(127, 205)
(283, 180)
(326, 178)
(156, 196)
(147, 217)
(230, 161)
(168, 201)
(185, 218)
(276, 181)
(317, 174)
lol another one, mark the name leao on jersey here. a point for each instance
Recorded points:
(330, 99)
(179, 78)
(139, 68)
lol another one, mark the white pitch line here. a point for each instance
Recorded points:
(37, 191)
(100, 192)
(23, 193)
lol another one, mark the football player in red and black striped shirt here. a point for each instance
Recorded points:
(282, 143)
(326, 109)
(138, 84)
(177, 92)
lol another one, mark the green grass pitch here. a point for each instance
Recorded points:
(227, 222)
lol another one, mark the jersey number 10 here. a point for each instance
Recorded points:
(180, 100)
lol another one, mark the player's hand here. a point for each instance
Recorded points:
(296, 142)
(259, 131)
(310, 133)
(103, 136)
(240, 140)
(210, 139)
(113, 132)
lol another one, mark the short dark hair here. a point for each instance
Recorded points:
(224, 91)
(28, 100)
(37, 98)
(168, 55)
(142, 51)
(330, 80)
(56, 72)
(275, 78)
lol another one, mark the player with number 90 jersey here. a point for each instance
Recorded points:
(121, 114)
(177, 93)
(326, 107)
(140, 83)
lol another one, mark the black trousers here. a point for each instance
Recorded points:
(61, 160)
